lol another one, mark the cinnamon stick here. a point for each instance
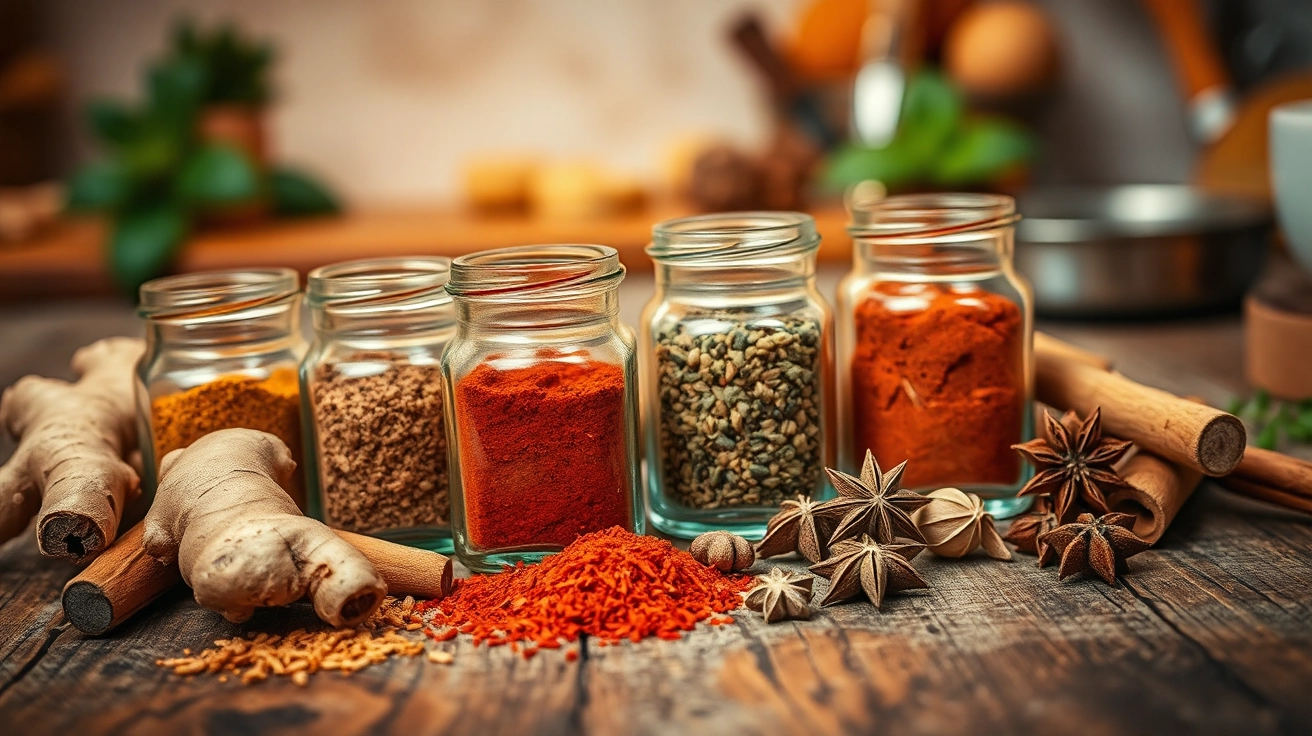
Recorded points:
(124, 579)
(1283, 473)
(1263, 492)
(1156, 491)
(1207, 440)
(117, 584)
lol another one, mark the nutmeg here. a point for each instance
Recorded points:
(724, 551)
(954, 524)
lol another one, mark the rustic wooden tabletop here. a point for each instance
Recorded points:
(1210, 633)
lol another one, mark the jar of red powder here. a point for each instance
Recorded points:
(935, 333)
(737, 373)
(372, 382)
(542, 419)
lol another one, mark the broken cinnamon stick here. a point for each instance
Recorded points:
(124, 579)
(1157, 490)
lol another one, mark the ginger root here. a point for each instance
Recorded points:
(70, 466)
(222, 511)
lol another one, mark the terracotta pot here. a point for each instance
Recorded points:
(242, 127)
(1278, 333)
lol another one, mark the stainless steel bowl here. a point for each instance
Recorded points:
(1142, 250)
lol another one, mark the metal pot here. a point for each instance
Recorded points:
(1141, 250)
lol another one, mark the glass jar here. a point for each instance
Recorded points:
(935, 336)
(222, 349)
(737, 371)
(541, 405)
(372, 397)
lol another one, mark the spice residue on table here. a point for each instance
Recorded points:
(611, 584)
(938, 379)
(544, 455)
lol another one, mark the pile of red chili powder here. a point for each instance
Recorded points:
(612, 584)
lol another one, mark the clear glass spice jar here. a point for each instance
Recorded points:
(542, 419)
(935, 331)
(737, 371)
(373, 399)
(222, 349)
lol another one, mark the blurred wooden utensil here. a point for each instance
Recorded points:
(1233, 132)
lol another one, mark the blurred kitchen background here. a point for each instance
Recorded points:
(140, 137)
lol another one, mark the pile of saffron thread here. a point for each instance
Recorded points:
(612, 584)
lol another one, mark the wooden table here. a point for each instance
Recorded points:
(1210, 633)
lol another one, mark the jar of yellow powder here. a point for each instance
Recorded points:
(222, 350)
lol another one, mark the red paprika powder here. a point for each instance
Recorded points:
(938, 379)
(543, 453)
(612, 584)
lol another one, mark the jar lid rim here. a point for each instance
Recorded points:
(219, 291)
(376, 280)
(733, 237)
(534, 271)
(930, 215)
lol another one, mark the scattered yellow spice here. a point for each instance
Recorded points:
(302, 653)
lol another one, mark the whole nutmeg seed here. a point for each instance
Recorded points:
(954, 524)
(724, 551)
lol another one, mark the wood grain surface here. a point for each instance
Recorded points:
(1211, 633)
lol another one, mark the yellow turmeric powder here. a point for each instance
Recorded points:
(270, 405)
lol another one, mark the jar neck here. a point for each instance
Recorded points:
(599, 311)
(269, 329)
(967, 254)
(752, 277)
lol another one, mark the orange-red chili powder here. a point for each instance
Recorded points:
(938, 379)
(611, 584)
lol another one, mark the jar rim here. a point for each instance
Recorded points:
(535, 271)
(919, 217)
(376, 281)
(208, 293)
(733, 237)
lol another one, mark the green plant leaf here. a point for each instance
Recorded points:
(980, 151)
(1237, 406)
(143, 242)
(894, 165)
(176, 92)
(218, 174)
(1261, 402)
(931, 111)
(1268, 437)
(296, 194)
(112, 122)
(98, 186)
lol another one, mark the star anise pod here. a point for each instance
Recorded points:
(1074, 464)
(1025, 530)
(872, 504)
(795, 528)
(781, 595)
(1098, 546)
(864, 565)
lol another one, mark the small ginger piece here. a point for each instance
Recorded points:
(73, 438)
(222, 511)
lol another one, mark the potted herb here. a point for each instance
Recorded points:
(191, 153)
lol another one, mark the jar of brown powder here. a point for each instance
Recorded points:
(373, 398)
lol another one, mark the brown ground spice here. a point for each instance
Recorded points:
(382, 447)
